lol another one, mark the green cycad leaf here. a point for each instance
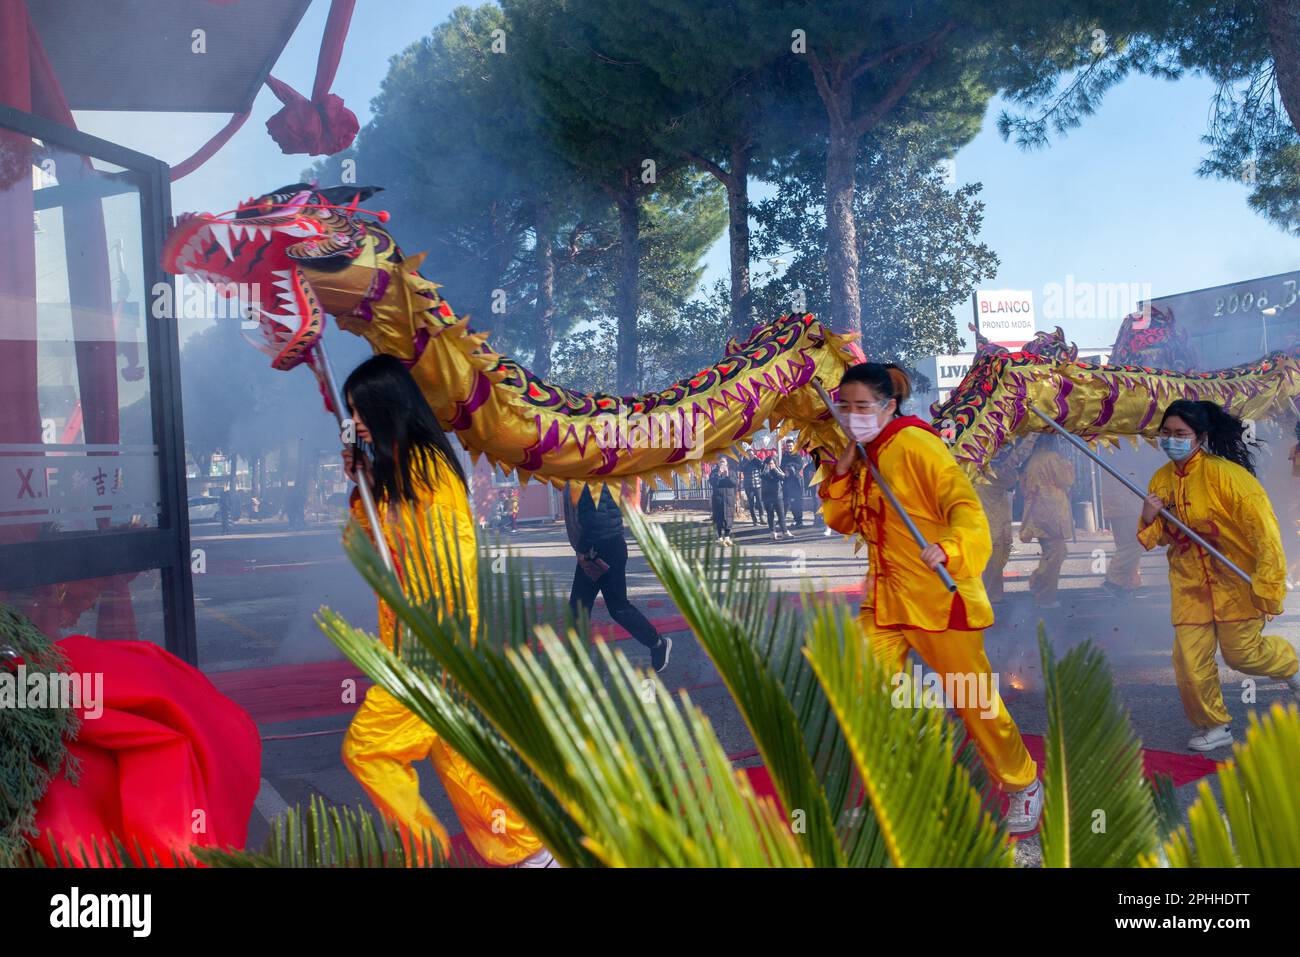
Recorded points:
(1261, 823)
(482, 689)
(928, 813)
(325, 836)
(649, 781)
(1097, 808)
(727, 604)
(627, 779)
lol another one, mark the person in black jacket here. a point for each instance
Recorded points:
(596, 534)
(772, 479)
(751, 466)
(792, 465)
(724, 500)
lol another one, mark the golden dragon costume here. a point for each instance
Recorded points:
(305, 252)
(315, 251)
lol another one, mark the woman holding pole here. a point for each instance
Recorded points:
(1210, 485)
(419, 489)
(906, 606)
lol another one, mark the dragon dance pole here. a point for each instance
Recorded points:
(1168, 515)
(921, 543)
(362, 479)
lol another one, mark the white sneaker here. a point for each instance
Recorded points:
(1024, 808)
(542, 858)
(1211, 738)
(789, 534)
(776, 536)
(828, 531)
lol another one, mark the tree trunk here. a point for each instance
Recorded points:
(842, 232)
(545, 294)
(738, 232)
(629, 283)
(1284, 44)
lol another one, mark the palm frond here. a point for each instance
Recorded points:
(928, 813)
(1097, 808)
(327, 836)
(108, 852)
(757, 649)
(1260, 823)
(500, 713)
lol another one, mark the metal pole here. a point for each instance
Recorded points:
(1173, 519)
(362, 480)
(921, 543)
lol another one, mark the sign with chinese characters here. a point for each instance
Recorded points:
(75, 486)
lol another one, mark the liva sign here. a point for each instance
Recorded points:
(1006, 316)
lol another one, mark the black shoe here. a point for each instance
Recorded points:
(1118, 591)
(659, 654)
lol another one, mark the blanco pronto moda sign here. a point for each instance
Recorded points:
(1006, 316)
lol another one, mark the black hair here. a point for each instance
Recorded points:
(401, 425)
(883, 378)
(1220, 432)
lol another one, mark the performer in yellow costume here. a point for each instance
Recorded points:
(1049, 475)
(905, 606)
(418, 483)
(995, 496)
(1209, 484)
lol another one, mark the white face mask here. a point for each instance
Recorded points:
(864, 426)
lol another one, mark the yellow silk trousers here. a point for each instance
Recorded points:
(382, 746)
(1245, 648)
(997, 508)
(1124, 569)
(1046, 577)
(961, 653)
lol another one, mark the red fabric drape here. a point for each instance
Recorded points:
(170, 762)
(321, 125)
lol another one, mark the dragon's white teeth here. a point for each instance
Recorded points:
(237, 230)
(285, 286)
(280, 273)
(221, 233)
(264, 231)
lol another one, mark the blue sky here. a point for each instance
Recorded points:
(1115, 201)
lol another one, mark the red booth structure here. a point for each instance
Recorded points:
(94, 534)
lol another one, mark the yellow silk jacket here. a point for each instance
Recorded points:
(1227, 506)
(935, 492)
(1046, 485)
(440, 508)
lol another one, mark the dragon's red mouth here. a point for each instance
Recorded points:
(248, 257)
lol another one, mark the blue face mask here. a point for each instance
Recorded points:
(1176, 449)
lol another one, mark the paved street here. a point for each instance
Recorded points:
(263, 583)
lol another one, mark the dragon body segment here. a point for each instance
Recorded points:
(1098, 403)
(312, 252)
(323, 254)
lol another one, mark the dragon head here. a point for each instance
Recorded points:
(293, 255)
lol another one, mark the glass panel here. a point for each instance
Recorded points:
(78, 453)
(119, 607)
